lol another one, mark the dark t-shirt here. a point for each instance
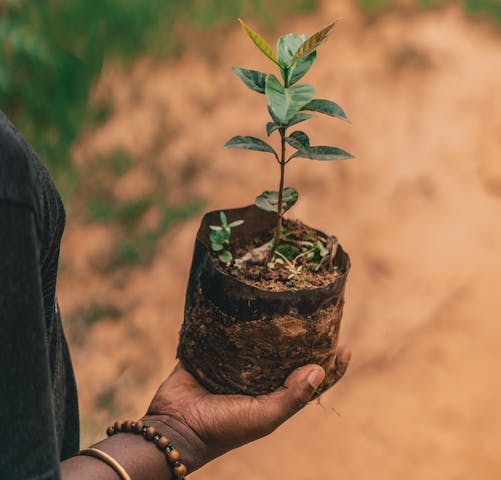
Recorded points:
(38, 400)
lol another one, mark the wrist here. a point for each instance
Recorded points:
(140, 458)
(194, 452)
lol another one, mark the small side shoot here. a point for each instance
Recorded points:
(220, 237)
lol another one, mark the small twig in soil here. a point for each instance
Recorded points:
(297, 243)
(320, 265)
(334, 244)
(302, 255)
(254, 256)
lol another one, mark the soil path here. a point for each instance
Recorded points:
(418, 211)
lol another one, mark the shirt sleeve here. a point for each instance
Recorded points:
(27, 433)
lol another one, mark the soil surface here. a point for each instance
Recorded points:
(292, 269)
(418, 211)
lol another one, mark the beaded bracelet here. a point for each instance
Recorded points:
(151, 434)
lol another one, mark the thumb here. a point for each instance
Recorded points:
(296, 392)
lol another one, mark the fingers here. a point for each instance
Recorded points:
(343, 358)
(301, 384)
(297, 391)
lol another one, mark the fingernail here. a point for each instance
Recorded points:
(315, 377)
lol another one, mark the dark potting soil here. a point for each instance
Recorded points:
(307, 272)
(255, 357)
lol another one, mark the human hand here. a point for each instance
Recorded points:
(204, 426)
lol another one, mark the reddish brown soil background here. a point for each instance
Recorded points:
(418, 211)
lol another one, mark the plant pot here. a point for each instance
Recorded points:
(237, 338)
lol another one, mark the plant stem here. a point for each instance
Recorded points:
(278, 229)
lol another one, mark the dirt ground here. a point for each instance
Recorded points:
(418, 211)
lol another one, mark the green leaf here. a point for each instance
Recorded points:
(326, 106)
(273, 116)
(299, 69)
(219, 236)
(216, 247)
(321, 249)
(299, 140)
(323, 153)
(286, 102)
(252, 78)
(236, 223)
(313, 42)
(249, 143)
(260, 42)
(271, 127)
(215, 227)
(225, 257)
(268, 201)
(287, 47)
(223, 218)
(298, 118)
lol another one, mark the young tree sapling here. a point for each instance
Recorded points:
(287, 103)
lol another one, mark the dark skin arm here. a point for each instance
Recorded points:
(201, 425)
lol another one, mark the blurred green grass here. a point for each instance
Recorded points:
(488, 9)
(139, 245)
(52, 51)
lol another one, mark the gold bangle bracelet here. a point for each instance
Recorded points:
(108, 459)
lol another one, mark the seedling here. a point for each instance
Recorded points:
(220, 236)
(286, 276)
(287, 103)
(290, 252)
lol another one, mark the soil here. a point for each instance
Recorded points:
(312, 273)
(256, 356)
(418, 211)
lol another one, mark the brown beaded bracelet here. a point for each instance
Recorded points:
(177, 466)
